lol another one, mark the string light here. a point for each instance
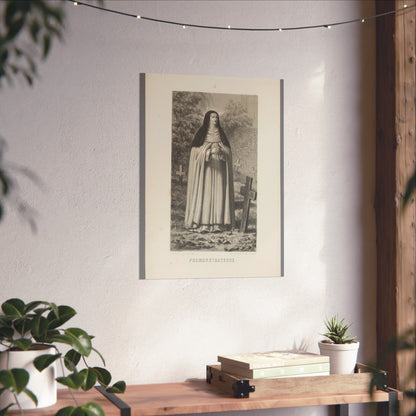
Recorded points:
(280, 29)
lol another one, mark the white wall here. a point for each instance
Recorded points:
(78, 129)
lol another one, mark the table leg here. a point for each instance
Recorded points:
(341, 410)
(390, 408)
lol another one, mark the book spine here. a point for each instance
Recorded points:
(293, 370)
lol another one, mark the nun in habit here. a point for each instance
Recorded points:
(210, 193)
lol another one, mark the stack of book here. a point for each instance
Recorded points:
(275, 364)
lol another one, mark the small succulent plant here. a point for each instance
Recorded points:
(337, 331)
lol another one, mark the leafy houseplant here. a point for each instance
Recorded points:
(340, 346)
(31, 326)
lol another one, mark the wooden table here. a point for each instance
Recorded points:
(197, 396)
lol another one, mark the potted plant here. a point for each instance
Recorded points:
(34, 331)
(341, 347)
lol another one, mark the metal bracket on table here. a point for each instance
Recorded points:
(341, 410)
(242, 389)
(125, 409)
(380, 377)
(209, 375)
(392, 407)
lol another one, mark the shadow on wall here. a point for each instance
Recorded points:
(350, 218)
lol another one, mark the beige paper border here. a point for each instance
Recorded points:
(157, 261)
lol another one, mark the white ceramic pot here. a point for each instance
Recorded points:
(342, 357)
(42, 384)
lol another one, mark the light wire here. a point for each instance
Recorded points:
(246, 29)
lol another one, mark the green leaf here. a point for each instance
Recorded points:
(46, 45)
(88, 409)
(90, 379)
(98, 353)
(6, 183)
(59, 315)
(54, 309)
(4, 54)
(6, 332)
(15, 28)
(93, 409)
(44, 361)
(28, 78)
(39, 327)
(410, 393)
(31, 396)
(14, 380)
(77, 338)
(34, 30)
(22, 325)
(65, 411)
(33, 305)
(119, 387)
(13, 307)
(103, 376)
(410, 189)
(71, 360)
(73, 381)
(4, 411)
(22, 343)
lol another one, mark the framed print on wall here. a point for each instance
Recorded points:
(211, 177)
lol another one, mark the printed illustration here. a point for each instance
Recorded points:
(213, 172)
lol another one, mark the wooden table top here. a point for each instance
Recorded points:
(197, 396)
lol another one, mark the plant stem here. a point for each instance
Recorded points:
(63, 373)
(18, 403)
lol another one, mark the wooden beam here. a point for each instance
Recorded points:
(395, 164)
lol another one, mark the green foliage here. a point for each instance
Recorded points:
(88, 409)
(410, 189)
(15, 380)
(337, 331)
(25, 326)
(27, 31)
(406, 342)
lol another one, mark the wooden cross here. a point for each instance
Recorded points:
(249, 195)
(180, 173)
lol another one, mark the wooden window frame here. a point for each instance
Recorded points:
(395, 164)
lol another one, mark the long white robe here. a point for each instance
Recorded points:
(210, 192)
